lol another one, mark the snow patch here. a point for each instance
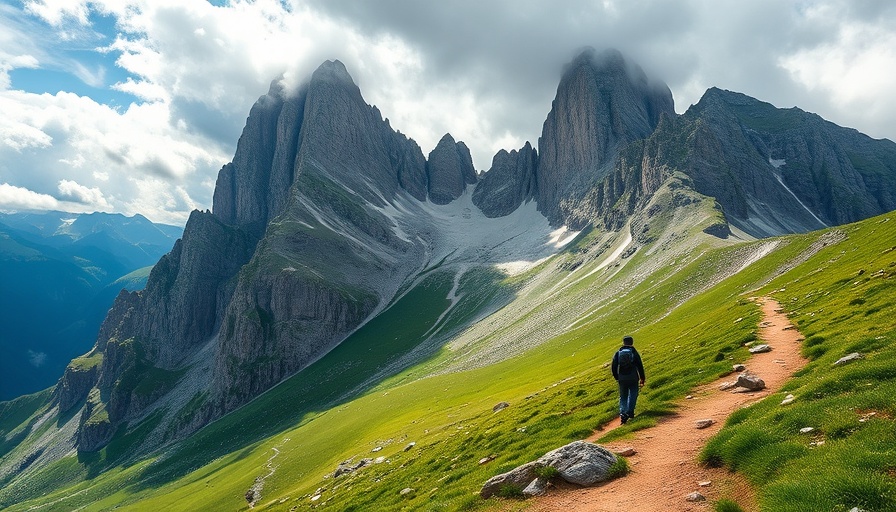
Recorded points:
(800, 202)
(776, 162)
(460, 232)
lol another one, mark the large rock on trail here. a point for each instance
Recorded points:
(579, 462)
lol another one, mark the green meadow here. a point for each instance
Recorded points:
(432, 438)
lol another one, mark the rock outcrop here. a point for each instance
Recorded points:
(777, 171)
(508, 183)
(449, 170)
(257, 275)
(579, 462)
(603, 103)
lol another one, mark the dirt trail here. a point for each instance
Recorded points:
(665, 468)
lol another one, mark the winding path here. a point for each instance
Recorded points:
(665, 469)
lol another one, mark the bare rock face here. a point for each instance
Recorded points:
(777, 171)
(306, 165)
(448, 170)
(603, 103)
(75, 384)
(508, 183)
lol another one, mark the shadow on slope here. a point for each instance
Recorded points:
(355, 365)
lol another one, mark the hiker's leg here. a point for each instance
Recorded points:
(623, 397)
(632, 399)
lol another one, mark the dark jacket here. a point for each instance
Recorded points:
(637, 371)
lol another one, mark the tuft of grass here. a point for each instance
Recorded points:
(726, 505)
(619, 469)
(547, 472)
(510, 491)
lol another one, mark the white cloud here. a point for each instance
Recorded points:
(75, 192)
(484, 71)
(68, 139)
(852, 71)
(19, 198)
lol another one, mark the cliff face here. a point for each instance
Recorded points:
(603, 103)
(508, 183)
(258, 277)
(777, 171)
(448, 170)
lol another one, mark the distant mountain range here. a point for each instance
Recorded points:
(59, 274)
(327, 219)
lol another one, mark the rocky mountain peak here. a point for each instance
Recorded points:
(603, 102)
(449, 169)
(332, 71)
(508, 183)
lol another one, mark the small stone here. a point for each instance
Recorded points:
(738, 367)
(751, 382)
(855, 356)
(695, 496)
(806, 430)
(759, 349)
(788, 399)
(378, 448)
(705, 483)
(315, 497)
(410, 445)
(704, 423)
(406, 491)
(500, 406)
(486, 460)
(625, 452)
(726, 386)
(538, 487)
(689, 397)
(379, 460)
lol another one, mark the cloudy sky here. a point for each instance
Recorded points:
(133, 106)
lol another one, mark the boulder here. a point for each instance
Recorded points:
(519, 477)
(751, 382)
(580, 462)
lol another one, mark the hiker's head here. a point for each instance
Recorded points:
(628, 340)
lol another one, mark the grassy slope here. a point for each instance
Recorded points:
(558, 392)
(843, 300)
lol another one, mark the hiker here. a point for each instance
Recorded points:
(628, 370)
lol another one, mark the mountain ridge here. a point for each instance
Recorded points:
(326, 217)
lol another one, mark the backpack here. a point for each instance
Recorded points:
(626, 360)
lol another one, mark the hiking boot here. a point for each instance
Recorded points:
(623, 418)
